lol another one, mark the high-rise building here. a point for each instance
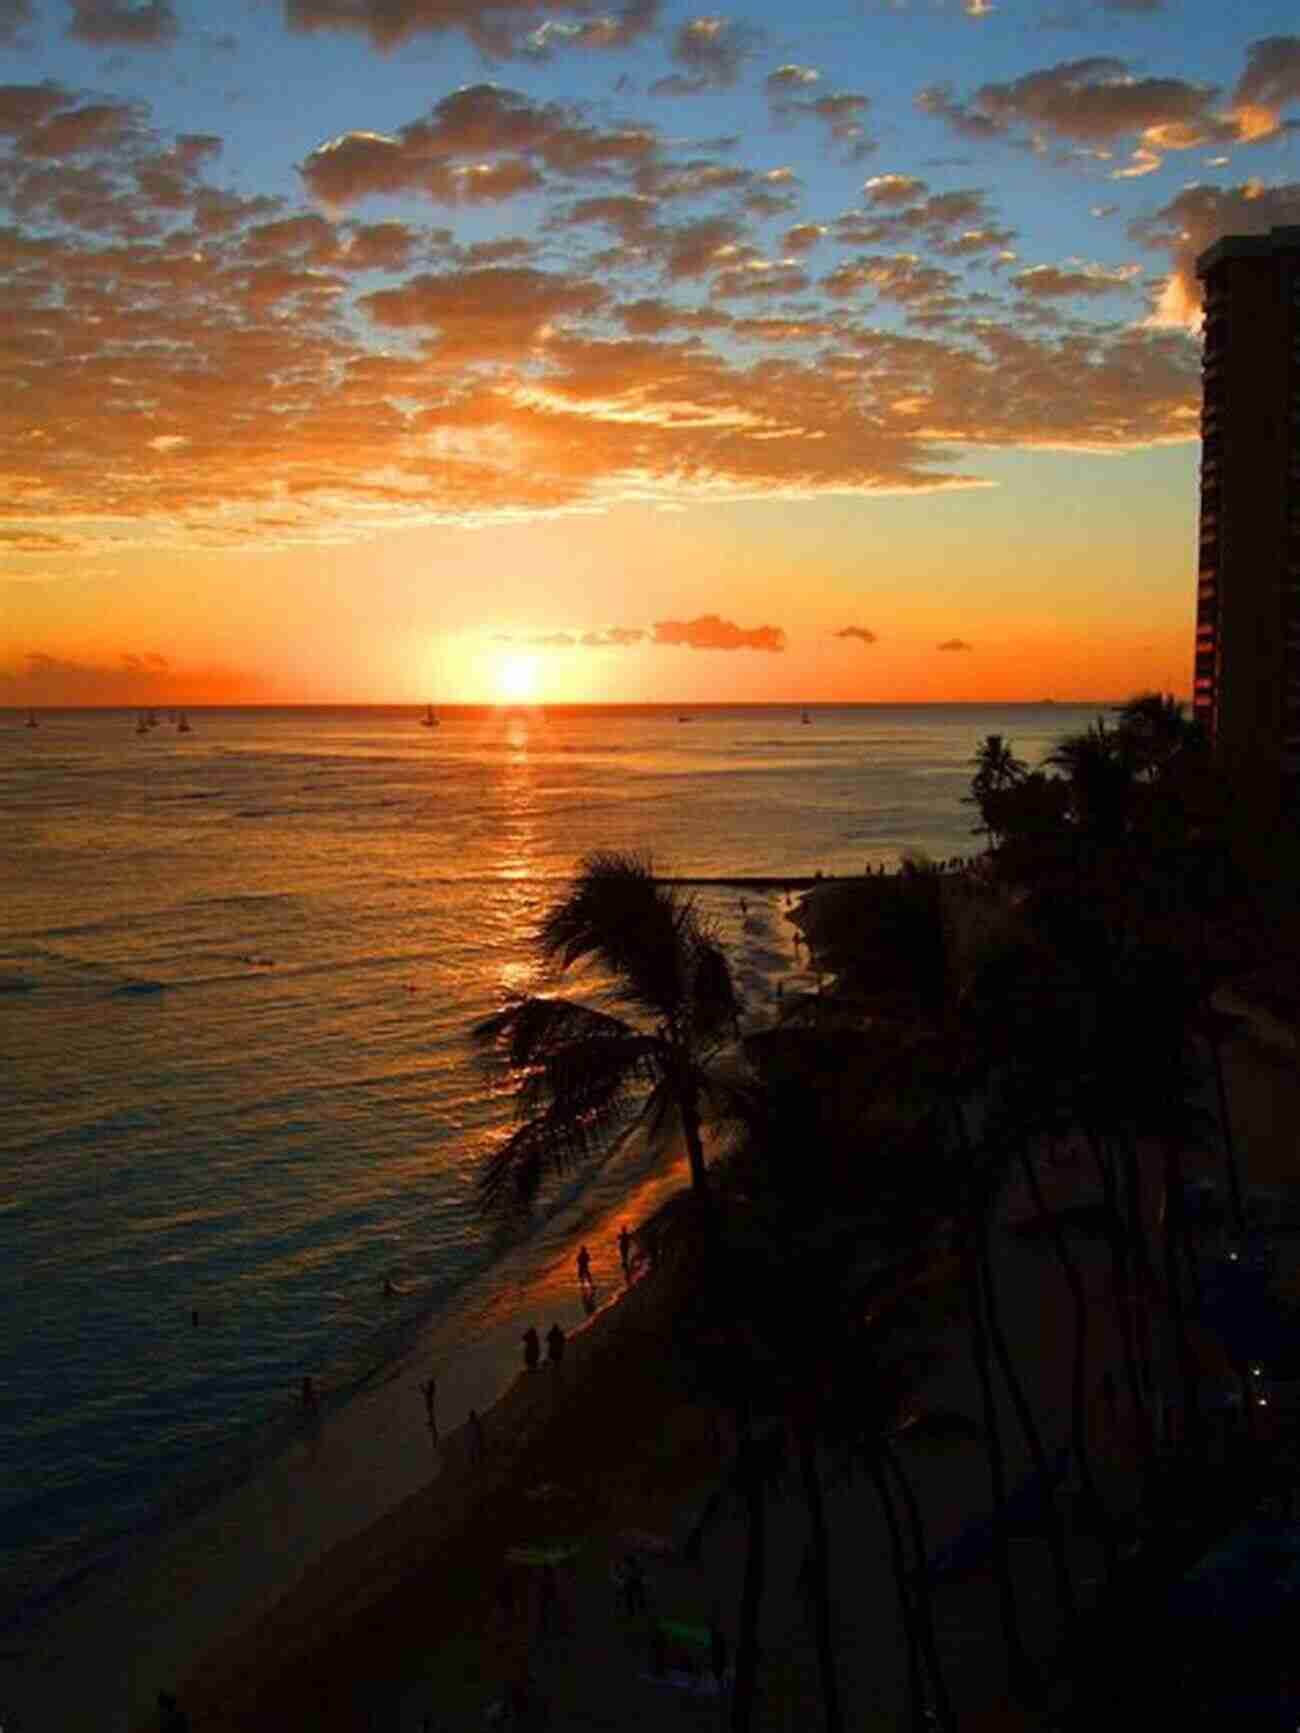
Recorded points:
(1247, 677)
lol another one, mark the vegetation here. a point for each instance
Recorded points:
(971, 1027)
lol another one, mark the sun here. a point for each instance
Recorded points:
(517, 679)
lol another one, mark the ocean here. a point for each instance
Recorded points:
(238, 970)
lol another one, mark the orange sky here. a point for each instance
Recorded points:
(398, 352)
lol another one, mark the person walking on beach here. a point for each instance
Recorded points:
(429, 1390)
(584, 1269)
(555, 1346)
(625, 1252)
(532, 1349)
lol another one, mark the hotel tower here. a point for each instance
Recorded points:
(1247, 677)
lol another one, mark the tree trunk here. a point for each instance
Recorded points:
(898, 1557)
(1124, 1302)
(1079, 1364)
(1053, 1531)
(812, 1492)
(1020, 1671)
(923, 1602)
(1174, 1247)
(751, 1591)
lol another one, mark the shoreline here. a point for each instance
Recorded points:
(96, 1656)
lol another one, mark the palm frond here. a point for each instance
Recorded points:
(618, 914)
(552, 1143)
(528, 1028)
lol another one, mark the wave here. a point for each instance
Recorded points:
(136, 989)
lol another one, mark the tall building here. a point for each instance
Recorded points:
(1247, 677)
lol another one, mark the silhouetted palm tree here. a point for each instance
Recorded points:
(584, 1074)
(1153, 732)
(997, 770)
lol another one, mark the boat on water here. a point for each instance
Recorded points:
(805, 717)
(430, 718)
(31, 719)
(142, 724)
(686, 719)
(183, 724)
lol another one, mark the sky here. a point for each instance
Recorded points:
(469, 351)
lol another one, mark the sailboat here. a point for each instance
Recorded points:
(805, 717)
(429, 719)
(31, 719)
(183, 724)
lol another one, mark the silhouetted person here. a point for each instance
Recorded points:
(429, 1390)
(555, 1345)
(625, 1252)
(532, 1349)
(584, 1267)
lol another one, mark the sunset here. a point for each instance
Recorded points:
(649, 919)
(343, 342)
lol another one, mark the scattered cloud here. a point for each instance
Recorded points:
(711, 632)
(123, 23)
(497, 27)
(1193, 220)
(712, 49)
(1053, 282)
(863, 634)
(1094, 102)
(614, 637)
(443, 156)
(14, 16)
(954, 644)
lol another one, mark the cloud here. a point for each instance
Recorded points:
(863, 634)
(497, 27)
(894, 189)
(443, 156)
(552, 641)
(134, 678)
(954, 644)
(1271, 78)
(710, 632)
(713, 50)
(1093, 102)
(616, 637)
(14, 15)
(494, 313)
(1196, 218)
(124, 23)
(1055, 281)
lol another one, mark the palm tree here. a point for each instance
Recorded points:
(1153, 732)
(997, 770)
(584, 1073)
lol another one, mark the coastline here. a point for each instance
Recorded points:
(96, 1657)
